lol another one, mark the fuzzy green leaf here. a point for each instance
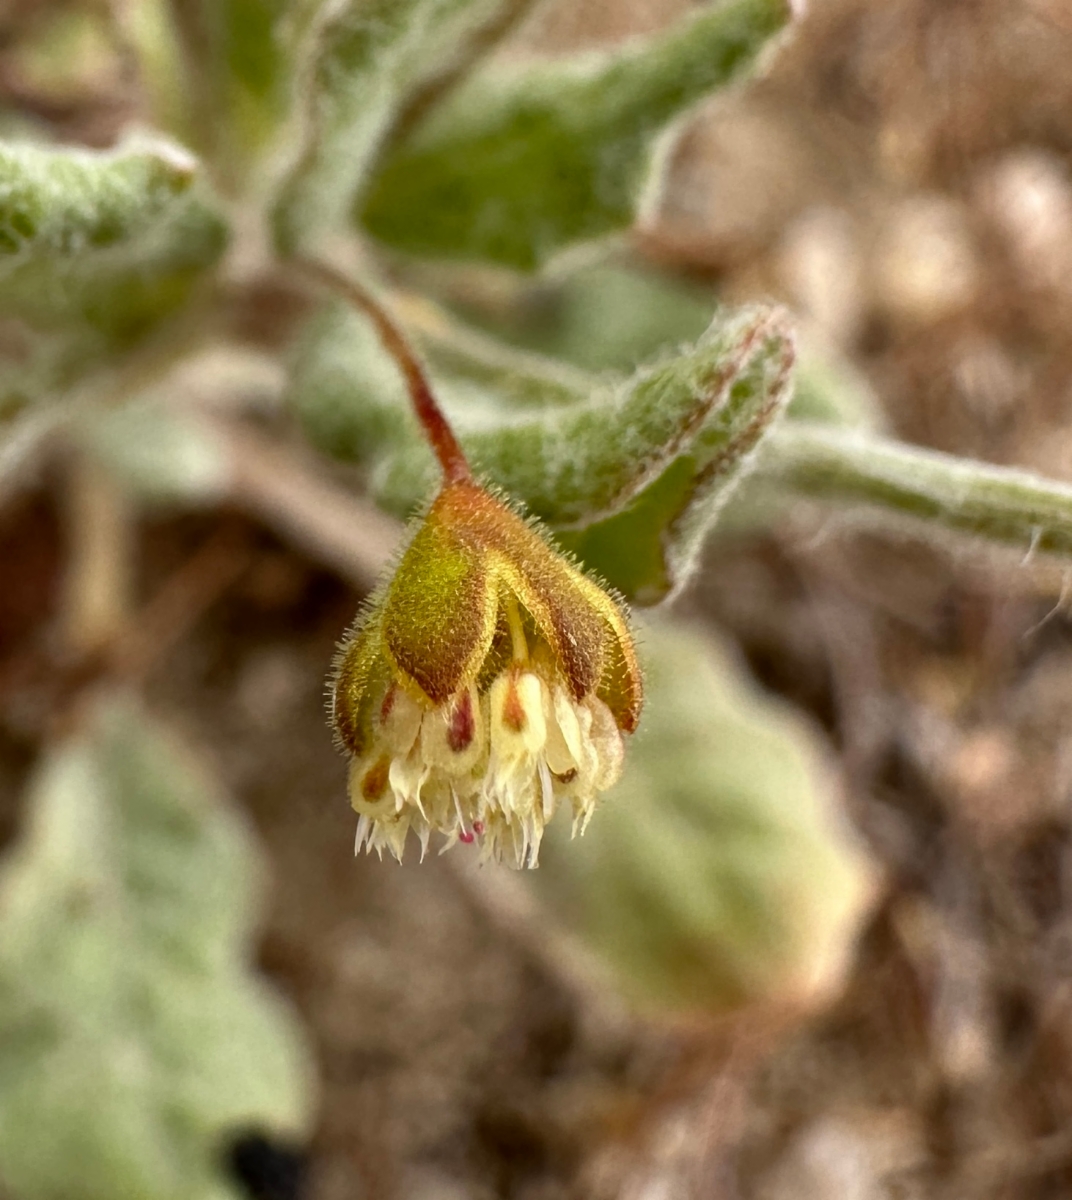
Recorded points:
(521, 162)
(113, 238)
(650, 549)
(369, 58)
(718, 869)
(133, 1037)
(636, 471)
(611, 317)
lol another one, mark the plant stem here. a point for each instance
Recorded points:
(436, 427)
(999, 504)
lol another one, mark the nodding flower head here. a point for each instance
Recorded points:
(488, 682)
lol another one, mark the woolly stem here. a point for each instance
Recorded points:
(994, 503)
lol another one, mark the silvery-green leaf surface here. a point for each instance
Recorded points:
(369, 58)
(134, 1036)
(719, 868)
(160, 453)
(238, 63)
(114, 238)
(522, 161)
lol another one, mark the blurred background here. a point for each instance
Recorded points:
(856, 982)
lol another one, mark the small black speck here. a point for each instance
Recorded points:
(267, 1169)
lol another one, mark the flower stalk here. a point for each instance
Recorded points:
(436, 427)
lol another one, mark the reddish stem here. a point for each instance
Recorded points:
(436, 427)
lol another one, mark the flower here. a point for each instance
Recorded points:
(488, 682)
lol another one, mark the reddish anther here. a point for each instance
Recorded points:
(462, 725)
(513, 711)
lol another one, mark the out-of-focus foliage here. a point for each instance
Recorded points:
(614, 317)
(157, 452)
(511, 165)
(113, 239)
(69, 53)
(247, 64)
(609, 316)
(133, 1038)
(719, 867)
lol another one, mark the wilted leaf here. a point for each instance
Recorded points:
(369, 58)
(133, 1036)
(522, 161)
(114, 237)
(719, 868)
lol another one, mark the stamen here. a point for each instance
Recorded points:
(364, 828)
(546, 790)
(464, 834)
(533, 837)
(513, 710)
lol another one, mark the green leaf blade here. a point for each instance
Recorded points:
(132, 1037)
(369, 58)
(719, 869)
(112, 238)
(520, 163)
(650, 548)
(576, 466)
